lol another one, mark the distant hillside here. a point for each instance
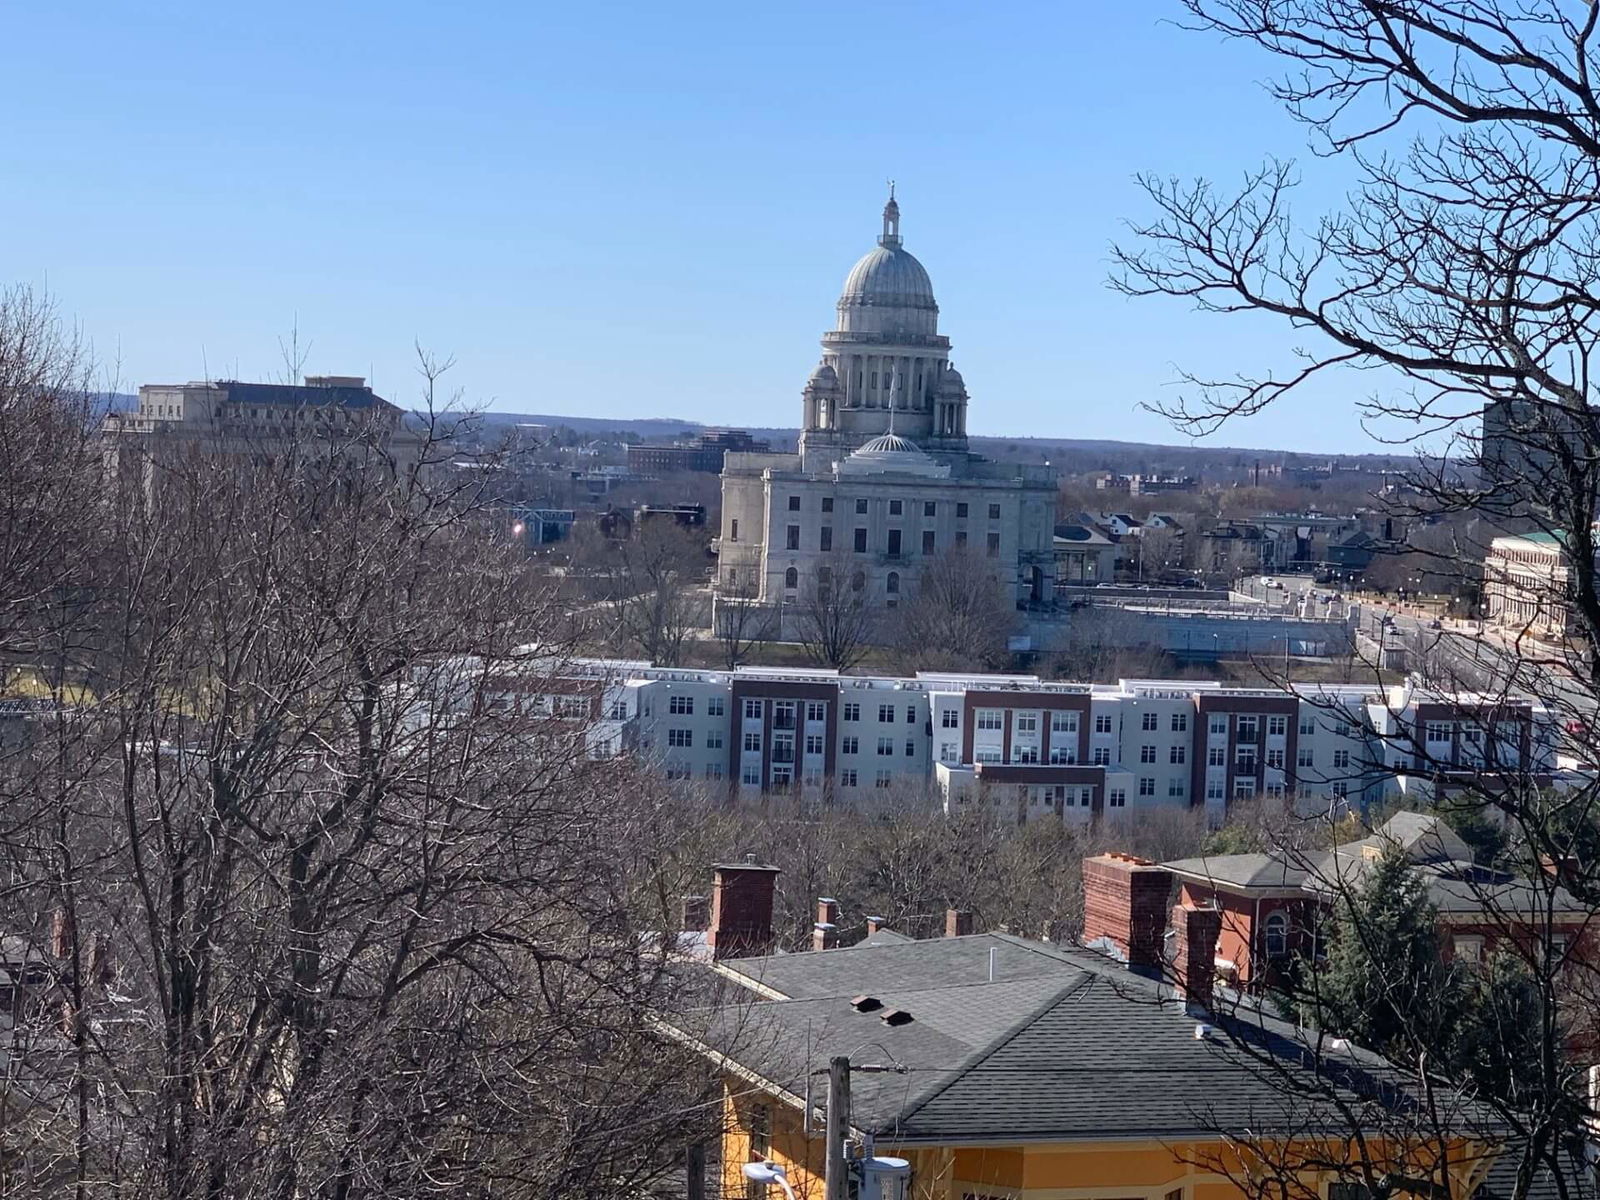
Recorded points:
(1084, 454)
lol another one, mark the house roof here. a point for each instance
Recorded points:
(1454, 883)
(1062, 1045)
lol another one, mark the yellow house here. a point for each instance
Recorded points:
(1005, 1069)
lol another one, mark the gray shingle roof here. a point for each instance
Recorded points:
(1243, 870)
(904, 965)
(1063, 1045)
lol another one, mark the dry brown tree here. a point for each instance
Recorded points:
(1462, 272)
(313, 887)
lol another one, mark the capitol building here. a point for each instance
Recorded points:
(884, 482)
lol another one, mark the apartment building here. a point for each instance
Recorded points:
(1027, 749)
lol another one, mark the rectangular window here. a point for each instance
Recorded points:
(994, 512)
(714, 707)
(1147, 785)
(1277, 726)
(986, 754)
(861, 541)
(1275, 759)
(752, 743)
(850, 745)
(861, 508)
(1244, 788)
(929, 508)
(1341, 760)
(713, 770)
(1219, 723)
(961, 511)
(911, 748)
(680, 737)
(1116, 798)
(714, 740)
(1063, 722)
(681, 706)
(751, 774)
(1177, 754)
(827, 504)
(1308, 726)
(752, 710)
(1214, 790)
(816, 710)
(1438, 731)
(1060, 754)
(794, 503)
(813, 743)
(1180, 722)
(950, 719)
(927, 541)
(948, 752)
(1102, 723)
(961, 539)
(792, 538)
(1147, 754)
(885, 713)
(852, 711)
(733, 530)
(1102, 756)
(994, 545)
(881, 779)
(896, 508)
(894, 543)
(1025, 722)
(1305, 757)
(847, 777)
(1024, 754)
(1217, 756)
(885, 747)
(1247, 729)
(911, 714)
(1175, 787)
(1149, 721)
(990, 718)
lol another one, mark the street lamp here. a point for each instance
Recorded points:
(768, 1172)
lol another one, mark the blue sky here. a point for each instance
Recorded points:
(634, 210)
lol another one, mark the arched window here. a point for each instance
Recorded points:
(1277, 934)
(894, 582)
(858, 581)
(791, 579)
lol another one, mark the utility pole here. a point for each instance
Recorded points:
(835, 1166)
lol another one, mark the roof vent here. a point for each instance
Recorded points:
(1202, 1032)
(896, 1016)
(866, 1003)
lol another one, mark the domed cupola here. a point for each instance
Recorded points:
(891, 454)
(891, 283)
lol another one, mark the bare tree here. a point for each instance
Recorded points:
(958, 617)
(655, 586)
(312, 887)
(835, 619)
(1463, 274)
(741, 625)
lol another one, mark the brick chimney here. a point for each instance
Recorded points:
(1194, 961)
(1125, 907)
(61, 934)
(957, 922)
(824, 936)
(874, 924)
(696, 913)
(741, 908)
(827, 910)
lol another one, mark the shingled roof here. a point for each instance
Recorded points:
(1062, 1045)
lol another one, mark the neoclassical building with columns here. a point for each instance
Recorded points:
(884, 481)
